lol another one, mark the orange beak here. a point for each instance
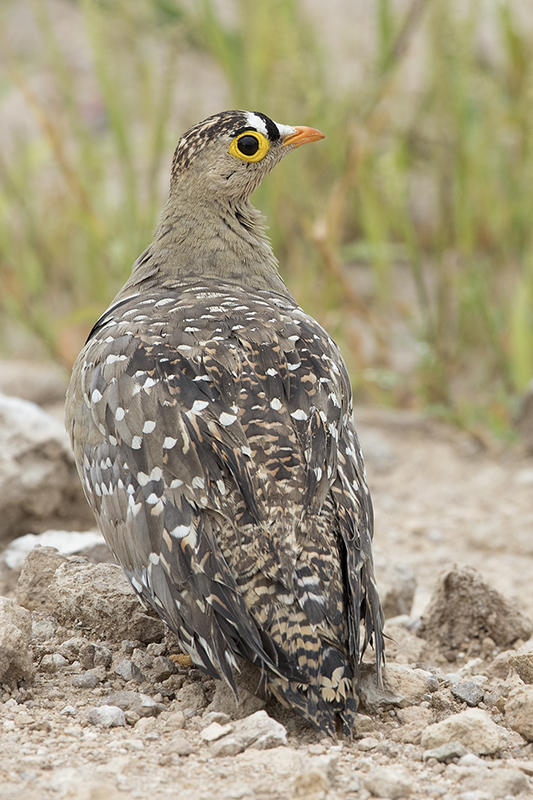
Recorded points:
(303, 135)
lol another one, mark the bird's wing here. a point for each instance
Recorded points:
(214, 432)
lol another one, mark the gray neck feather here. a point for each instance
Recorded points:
(202, 237)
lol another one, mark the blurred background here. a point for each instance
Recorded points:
(407, 232)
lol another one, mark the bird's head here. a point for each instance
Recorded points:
(227, 155)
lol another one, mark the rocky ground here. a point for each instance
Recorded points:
(96, 702)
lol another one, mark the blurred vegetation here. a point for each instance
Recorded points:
(407, 231)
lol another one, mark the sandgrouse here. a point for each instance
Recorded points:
(211, 421)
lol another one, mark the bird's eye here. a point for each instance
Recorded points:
(249, 146)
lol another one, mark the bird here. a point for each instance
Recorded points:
(211, 420)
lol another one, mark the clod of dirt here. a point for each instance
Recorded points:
(15, 632)
(224, 701)
(519, 711)
(39, 484)
(474, 729)
(95, 597)
(464, 610)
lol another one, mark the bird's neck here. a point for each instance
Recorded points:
(197, 240)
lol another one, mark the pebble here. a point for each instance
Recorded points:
(215, 731)
(107, 716)
(162, 668)
(95, 655)
(180, 746)
(69, 711)
(129, 671)
(519, 711)
(141, 704)
(368, 743)
(472, 728)
(228, 746)
(258, 731)
(52, 662)
(175, 720)
(89, 679)
(388, 782)
(446, 752)
(468, 692)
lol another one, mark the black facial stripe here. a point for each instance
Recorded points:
(272, 128)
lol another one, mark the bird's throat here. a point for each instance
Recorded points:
(210, 240)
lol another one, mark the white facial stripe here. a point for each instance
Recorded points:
(285, 130)
(256, 122)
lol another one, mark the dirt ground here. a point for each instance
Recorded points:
(440, 498)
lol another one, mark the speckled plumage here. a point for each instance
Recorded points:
(212, 426)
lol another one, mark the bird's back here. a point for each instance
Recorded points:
(212, 429)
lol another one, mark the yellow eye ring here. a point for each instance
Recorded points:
(249, 146)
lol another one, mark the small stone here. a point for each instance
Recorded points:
(129, 671)
(214, 731)
(69, 711)
(89, 679)
(107, 716)
(141, 704)
(175, 720)
(162, 668)
(180, 746)
(15, 631)
(95, 655)
(260, 731)
(410, 685)
(363, 723)
(52, 662)
(446, 752)
(388, 782)
(472, 728)
(519, 711)
(468, 692)
(228, 746)
(368, 743)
